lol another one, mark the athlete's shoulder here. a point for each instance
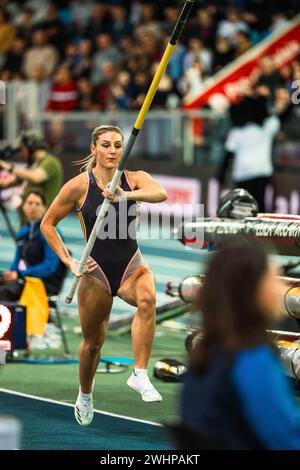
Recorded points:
(75, 187)
(138, 173)
(134, 177)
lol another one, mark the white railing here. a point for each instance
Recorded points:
(169, 134)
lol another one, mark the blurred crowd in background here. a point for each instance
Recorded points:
(101, 55)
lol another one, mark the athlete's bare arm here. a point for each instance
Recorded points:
(144, 189)
(69, 197)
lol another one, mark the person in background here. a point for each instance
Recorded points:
(99, 21)
(223, 54)
(41, 55)
(231, 25)
(12, 67)
(197, 51)
(63, 95)
(82, 66)
(120, 26)
(236, 395)
(269, 76)
(25, 23)
(106, 52)
(203, 26)
(242, 43)
(250, 143)
(7, 32)
(43, 169)
(288, 115)
(33, 257)
(54, 28)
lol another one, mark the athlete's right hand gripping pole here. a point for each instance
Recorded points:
(135, 131)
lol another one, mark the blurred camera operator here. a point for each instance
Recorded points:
(43, 171)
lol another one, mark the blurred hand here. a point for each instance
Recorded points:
(5, 165)
(263, 90)
(119, 195)
(7, 180)
(10, 276)
(89, 267)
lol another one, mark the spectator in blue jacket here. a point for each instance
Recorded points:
(33, 257)
(236, 395)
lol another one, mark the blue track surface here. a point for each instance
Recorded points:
(51, 426)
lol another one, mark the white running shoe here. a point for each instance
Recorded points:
(144, 387)
(83, 410)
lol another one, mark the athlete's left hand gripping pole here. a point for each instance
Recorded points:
(136, 129)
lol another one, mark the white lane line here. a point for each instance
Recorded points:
(55, 402)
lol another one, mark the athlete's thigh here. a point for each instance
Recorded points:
(94, 304)
(141, 281)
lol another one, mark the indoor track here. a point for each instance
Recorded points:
(50, 425)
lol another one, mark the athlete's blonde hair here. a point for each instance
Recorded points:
(89, 162)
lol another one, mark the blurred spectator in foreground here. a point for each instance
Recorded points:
(63, 95)
(236, 395)
(33, 257)
(41, 55)
(250, 143)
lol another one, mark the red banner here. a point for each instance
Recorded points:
(283, 47)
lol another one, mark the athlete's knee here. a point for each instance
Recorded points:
(93, 347)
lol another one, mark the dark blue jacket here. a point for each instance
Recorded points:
(245, 403)
(32, 248)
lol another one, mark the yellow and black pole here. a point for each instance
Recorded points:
(185, 12)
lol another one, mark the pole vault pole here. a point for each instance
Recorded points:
(135, 132)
